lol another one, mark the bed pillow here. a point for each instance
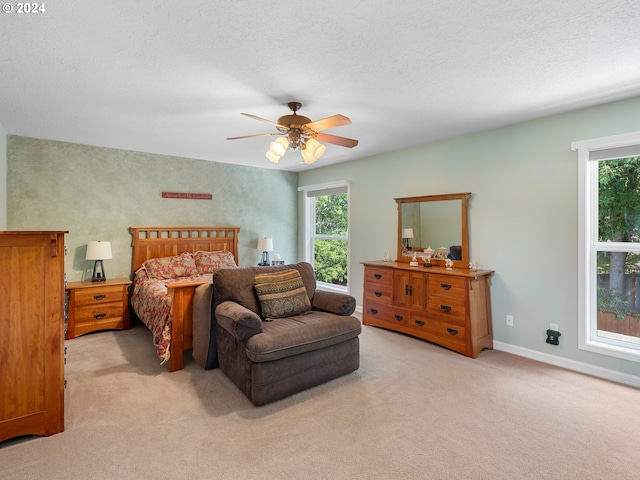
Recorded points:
(175, 266)
(209, 262)
(281, 294)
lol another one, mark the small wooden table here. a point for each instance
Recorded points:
(96, 306)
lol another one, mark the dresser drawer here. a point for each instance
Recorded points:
(447, 309)
(97, 295)
(384, 315)
(443, 333)
(447, 286)
(378, 275)
(379, 292)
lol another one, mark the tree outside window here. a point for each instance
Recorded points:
(330, 242)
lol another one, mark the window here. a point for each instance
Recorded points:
(609, 245)
(326, 233)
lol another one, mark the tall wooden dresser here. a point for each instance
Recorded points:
(449, 307)
(32, 326)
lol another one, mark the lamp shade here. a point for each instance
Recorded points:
(279, 146)
(407, 233)
(265, 244)
(97, 250)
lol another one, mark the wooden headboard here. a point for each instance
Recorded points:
(155, 242)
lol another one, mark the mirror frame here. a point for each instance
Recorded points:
(464, 199)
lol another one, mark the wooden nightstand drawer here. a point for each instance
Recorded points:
(91, 313)
(92, 296)
(97, 306)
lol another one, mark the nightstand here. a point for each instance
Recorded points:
(96, 306)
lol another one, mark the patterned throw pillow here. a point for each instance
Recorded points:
(175, 266)
(281, 294)
(209, 262)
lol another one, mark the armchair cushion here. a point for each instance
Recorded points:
(281, 294)
(300, 334)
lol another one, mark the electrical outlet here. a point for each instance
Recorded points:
(554, 327)
(509, 320)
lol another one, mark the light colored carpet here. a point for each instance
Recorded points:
(412, 411)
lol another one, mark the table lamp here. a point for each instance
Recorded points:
(98, 251)
(265, 245)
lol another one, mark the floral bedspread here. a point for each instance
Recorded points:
(152, 303)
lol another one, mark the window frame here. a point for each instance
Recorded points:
(590, 153)
(309, 234)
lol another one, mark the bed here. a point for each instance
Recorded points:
(165, 305)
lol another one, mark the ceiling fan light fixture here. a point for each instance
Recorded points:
(272, 157)
(316, 148)
(307, 156)
(279, 146)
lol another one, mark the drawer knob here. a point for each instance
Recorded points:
(420, 323)
(373, 310)
(445, 308)
(446, 286)
(98, 316)
(452, 331)
(398, 317)
(99, 297)
(377, 294)
(378, 276)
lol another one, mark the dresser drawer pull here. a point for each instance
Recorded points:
(378, 276)
(377, 294)
(420, 323)
(398, 317)
(99, 297)
(98, 316)
(446, 286)
(373, 310)
(452, 331)
(445, 308)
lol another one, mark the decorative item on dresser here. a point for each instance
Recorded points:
(173, 329)
(32, 322)
(449, 307)
(97, 306)
(440, 299)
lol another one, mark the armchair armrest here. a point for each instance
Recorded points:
(239, 321)
(334, 302)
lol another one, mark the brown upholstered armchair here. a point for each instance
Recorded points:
(269, 360)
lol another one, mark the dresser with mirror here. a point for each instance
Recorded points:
(430, 291)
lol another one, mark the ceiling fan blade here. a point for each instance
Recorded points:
(255, 135)
(342, 141)
(255, 117)
(329, 122)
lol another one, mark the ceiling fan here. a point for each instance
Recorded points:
(299, 132)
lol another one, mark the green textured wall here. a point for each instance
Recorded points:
(98, 193)
(522, 215)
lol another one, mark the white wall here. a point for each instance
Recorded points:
(3, 178)
(522, 216)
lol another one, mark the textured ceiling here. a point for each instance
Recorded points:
(172, 77)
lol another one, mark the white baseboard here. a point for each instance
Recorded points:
(574, 365)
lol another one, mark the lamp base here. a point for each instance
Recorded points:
(98, 272)
(264, 261)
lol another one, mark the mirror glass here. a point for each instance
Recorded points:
(438, 222)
